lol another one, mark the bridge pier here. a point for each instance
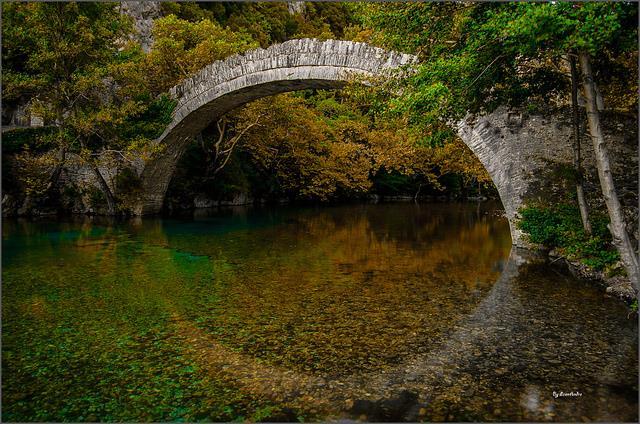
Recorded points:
(506, 157)
(521, 152)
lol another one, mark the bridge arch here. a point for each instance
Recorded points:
(309, 63)
(227, 84)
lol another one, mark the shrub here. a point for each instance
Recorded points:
(96, 197)
(127, 182)
(37, 139)
(151, 122)
(560, 226)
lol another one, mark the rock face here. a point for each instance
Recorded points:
(20, 117)
(227, 84)
(202, 201)
(143, 14)
(296, 7)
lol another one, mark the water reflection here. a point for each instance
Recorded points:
(378, 312)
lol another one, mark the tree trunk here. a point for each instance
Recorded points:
(57, 170)
(111, 202)
(617, 226)
(577, 161)
(27, 204)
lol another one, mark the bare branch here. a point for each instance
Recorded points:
(222, 125)
(483, 71)
(234, 141)
(118, 152)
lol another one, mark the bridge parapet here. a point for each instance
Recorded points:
(293, 53)
(295, 60)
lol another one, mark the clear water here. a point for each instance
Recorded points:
(374, 312)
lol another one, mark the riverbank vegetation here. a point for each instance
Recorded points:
(560, 226)
(81, 70)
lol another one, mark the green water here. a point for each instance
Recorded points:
(373, 312)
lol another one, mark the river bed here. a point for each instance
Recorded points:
(387, 312)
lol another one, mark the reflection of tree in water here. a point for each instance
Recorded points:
(354, 309)
(337, 293)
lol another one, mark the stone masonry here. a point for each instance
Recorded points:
(230, 83)
(517, 150)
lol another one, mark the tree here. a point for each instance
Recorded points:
(324, 144)
(577, 161)
(74, 65)
(217, 154)
(477, 56)
(181, 48)
(308, 158)
(269, 22)
(587, 30)
(618, 227)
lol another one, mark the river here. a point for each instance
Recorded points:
(417, 312)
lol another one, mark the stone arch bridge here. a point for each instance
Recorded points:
(227, 84)
(511, 149)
